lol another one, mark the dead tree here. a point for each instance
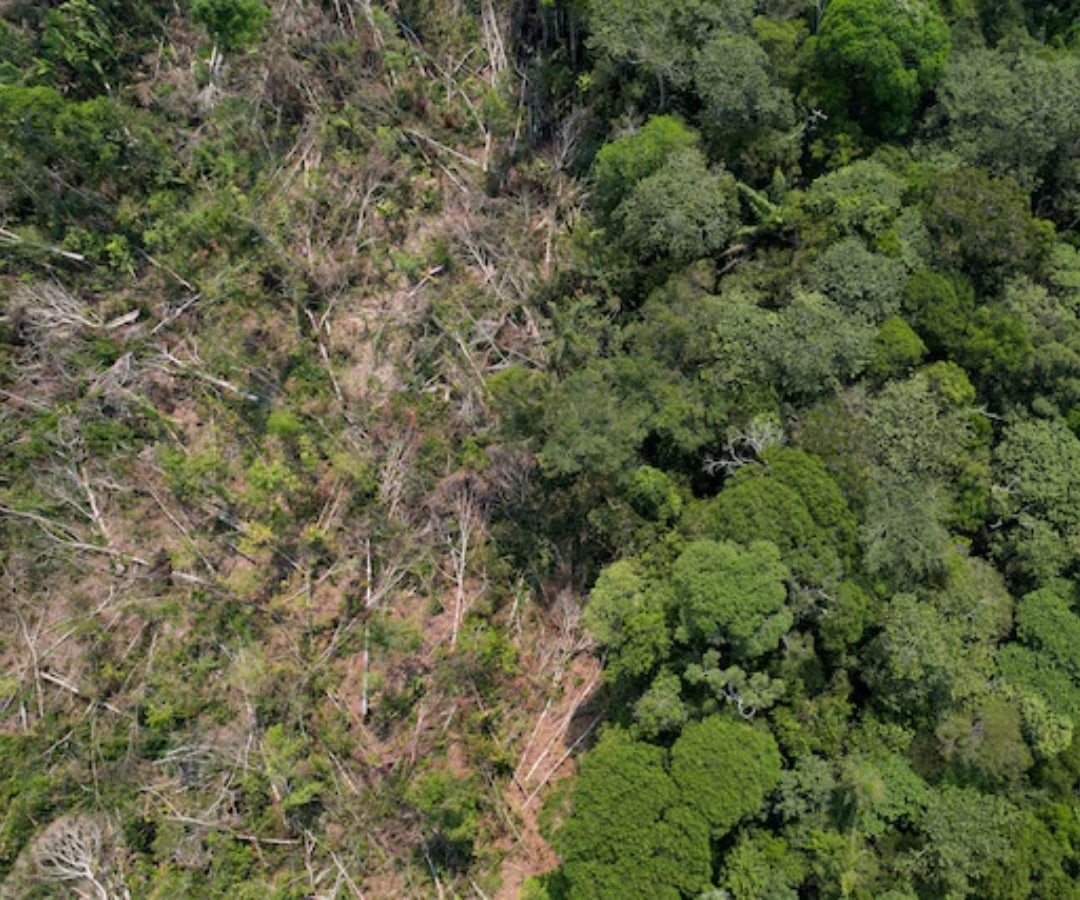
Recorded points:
(459, 516)
(746, 446)
(74, 851)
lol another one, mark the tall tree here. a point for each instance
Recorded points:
(630, 833)
(878, 59)
(732, 595)
(724, 769)
(1037, 480)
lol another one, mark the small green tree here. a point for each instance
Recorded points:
(622, 163)
(79, 39)
(863, 199)
(625, 616)
(818, 344)
(741, 99)
(1037, 480)
(984, 741)
(897, 349)
(451, 809)
(970, 842)
(863, 283)
(66, 166)
(920, 663)
(763, 865)
(661, 710)
(233, 24)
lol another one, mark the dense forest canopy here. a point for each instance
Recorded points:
(549, 448)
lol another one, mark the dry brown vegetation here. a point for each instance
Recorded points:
(247, 586)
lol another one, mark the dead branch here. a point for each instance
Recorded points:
(175, 314)
(566, 755)
(318, 326)
(9, 237)
(460, 509)
(31, 645)
(66, 685)
(49, 307)
(562, 729)
(529, 742)
(395, 468)
(33, 404)
(745, 447)
(94, 509)
(184, 531)
(70, 540)
(459, 156)
(493, 40)
(170, 363)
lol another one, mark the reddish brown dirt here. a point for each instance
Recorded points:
(556, 733)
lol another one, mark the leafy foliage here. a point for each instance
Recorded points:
(879, 59)
(629, 831)
(622, 163)
(681, 212)
(735, 596)
(232, 24)
(725, 769)
(407, 404)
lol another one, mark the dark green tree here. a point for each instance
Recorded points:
(1014, 111)
(742, 101)
(1047, 624)
(762, 865)
(66, 167)
(756, 507)
(587, 430)
(879, 792)
(983, 227)
(703, 362)
(878, 59)
(724, 769)
(630, 834)
(807, 476)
